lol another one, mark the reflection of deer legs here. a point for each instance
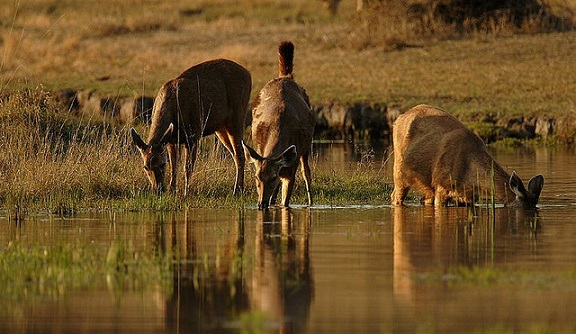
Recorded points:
(233, 143)
(307, 176)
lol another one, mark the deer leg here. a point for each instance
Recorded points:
(287, 187)
(272, 200)
(190, 158)
(288, 180)
(428, 200)
(233, 144)
(307, 176)
(398, 194)
(400, 188)
(173, 158)
(441, 197)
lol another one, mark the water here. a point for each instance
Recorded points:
(361, 269)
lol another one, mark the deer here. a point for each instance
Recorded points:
(435, 154)
(209, 98)
(282, 130)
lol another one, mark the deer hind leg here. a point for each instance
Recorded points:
(441, 196)
(190, 158)
(307, 176)
(173, 158)
(233, 143)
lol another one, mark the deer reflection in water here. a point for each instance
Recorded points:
(282, 285)
(239, 272)
(444, 240)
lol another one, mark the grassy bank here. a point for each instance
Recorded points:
(54, 162)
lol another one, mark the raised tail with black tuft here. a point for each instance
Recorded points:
(285, 59)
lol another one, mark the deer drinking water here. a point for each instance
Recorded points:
(282, 129)
(439, 157)
(211, 97)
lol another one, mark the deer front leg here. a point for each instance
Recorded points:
(398, 194)
(173, 158)
(441, 197)
(287, 187)
(190, 156)
(307, 176)
(288, 182)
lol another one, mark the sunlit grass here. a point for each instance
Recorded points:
(71, 44)
(52, 161)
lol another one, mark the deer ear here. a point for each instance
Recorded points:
(251, 155)
(517, 186)
(166, 136)
(288, 157)
(535, 185)
(138, 140)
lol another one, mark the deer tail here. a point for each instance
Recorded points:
(285, 59)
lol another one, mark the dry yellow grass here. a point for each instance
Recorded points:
(137, 45)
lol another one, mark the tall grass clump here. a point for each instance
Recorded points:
(52, 160)
(362, 184)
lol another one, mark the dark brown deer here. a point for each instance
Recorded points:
(435, 154)
(282, 129)
(211, 97)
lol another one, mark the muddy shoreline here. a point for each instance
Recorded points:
(361, 121)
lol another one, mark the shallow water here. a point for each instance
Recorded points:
(361, 269)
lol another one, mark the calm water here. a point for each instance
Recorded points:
(347, 269)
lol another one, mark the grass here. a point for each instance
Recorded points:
(54, 162)
(75, 45)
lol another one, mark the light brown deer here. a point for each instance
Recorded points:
(282, 129)
(444, 161)
(211, 97)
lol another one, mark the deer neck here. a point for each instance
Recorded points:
(502, 189)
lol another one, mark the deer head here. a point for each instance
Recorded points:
(526, 198)
(268, 172)
(153, 157)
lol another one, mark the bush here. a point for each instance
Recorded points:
(395, 24)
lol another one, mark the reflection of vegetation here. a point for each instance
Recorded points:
(52, 271)
(488, 276)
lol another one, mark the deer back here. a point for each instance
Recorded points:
(281, 118)
(201, 100)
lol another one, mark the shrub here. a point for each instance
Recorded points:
(395, 24)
